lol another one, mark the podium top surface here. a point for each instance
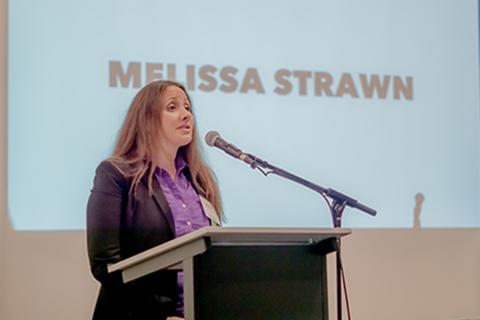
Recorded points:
(238, 236)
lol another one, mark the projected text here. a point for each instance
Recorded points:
(230, 79)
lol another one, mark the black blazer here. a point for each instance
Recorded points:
(120, 225)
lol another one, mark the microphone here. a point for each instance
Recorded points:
(213, 139)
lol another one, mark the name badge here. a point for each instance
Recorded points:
(210, 211)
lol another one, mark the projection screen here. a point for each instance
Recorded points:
(376, 99)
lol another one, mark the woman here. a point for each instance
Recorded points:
(154, 187)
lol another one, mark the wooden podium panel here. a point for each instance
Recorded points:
(246, 273)
(251, 282)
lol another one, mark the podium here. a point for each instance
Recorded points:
(245, 273)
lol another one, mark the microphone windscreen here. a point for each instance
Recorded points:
(210, 137)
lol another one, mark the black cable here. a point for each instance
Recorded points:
(344, 281)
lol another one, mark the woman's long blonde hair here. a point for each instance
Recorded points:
(137, 145)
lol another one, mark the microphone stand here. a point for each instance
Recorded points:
(338, 202)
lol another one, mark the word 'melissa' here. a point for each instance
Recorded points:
(229, 79)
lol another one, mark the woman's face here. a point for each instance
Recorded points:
(176, 123)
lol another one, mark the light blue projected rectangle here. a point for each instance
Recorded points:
(377, 99)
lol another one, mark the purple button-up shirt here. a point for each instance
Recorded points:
(186, 208)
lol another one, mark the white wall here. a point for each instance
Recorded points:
(392, 274)
(409, 274)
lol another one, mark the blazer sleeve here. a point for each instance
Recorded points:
(104, 220)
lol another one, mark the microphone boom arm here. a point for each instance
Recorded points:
(338, 201)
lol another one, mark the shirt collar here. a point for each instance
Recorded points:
(180, 164)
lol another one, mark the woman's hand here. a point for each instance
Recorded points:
(174, 318)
